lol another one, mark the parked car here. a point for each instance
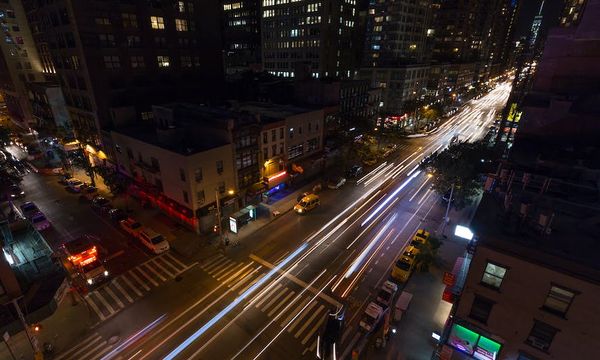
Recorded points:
(354, 171)
(100, 202)
(74, 185)
(40, 222)
(371, 317)
(153, 241)
(89, 192)
(131, 226)
(15, 191)
(307, 203)
(117, 214)
(28, 209)
(336, 183)
(386, 294)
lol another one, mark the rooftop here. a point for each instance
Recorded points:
(186, 140)
(273, 111)
(545, 220)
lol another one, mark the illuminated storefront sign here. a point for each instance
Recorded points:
(472, 343)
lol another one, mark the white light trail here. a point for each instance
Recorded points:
(368, 248)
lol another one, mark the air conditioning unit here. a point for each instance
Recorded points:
(535, 342)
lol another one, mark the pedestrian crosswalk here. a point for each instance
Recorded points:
(126, 288)
(303, 316)
(93, 347)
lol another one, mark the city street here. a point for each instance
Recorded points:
(269, 298)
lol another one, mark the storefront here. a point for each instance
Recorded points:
(471, 342)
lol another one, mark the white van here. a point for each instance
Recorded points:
(153, 241)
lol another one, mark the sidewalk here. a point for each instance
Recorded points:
(67, 323)
(427, 311)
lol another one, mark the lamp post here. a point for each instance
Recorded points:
(219, 214)
(446, 219)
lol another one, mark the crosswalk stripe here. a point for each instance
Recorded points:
(114, 296)
(267, 295)
(277, 296)
(281, 303)
(212, 260)
(148, 277)
(246, 277)
(101, 352)
(313, 346)
(164, 260)
(209, 268)
(162, 268)
(221, 266)
(104, 302)
(298, 320)
(122, 290)
(314, 328)
(228, 267)
(239, 274)
(130, 284)
(94, 307)
(139, 280)
(293, 313)
(250, 284)
(86, 344)
(312, 331)
(93, 350)
(309, 321)
(230, 271)
(159, 275)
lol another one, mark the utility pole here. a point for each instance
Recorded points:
(35, 345)
(446, 219)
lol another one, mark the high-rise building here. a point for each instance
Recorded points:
(20, 63)
(114, 60)
(319, 35)
(535, 26)
(571, 14)
(395, 52)
(396, 32)
(241, 36)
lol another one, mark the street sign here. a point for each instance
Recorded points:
(449, 278)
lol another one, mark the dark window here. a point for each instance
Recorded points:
(181, 174)
(481, 308)
(265, 139)
(558, 300)
(300, 130)
(155, 163)
(219, 167)
(281, 133)
(222, 187)
(129, 154)
(493, 275)
(265, 153)
(273, 135)
(198, 175)
(200, 197)
(541, 335)
(274, 148)
(185, 197)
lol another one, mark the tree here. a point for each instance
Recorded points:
(4, 135)
(428, 254)
(460, 165)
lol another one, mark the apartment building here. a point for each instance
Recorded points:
(241, 36)
(114, 60)
(320, 34)
(289, 135)
(20, 63)
(181, 171)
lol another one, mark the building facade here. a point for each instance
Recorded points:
(183, 181)
(113, 60)
(19, 64)
(319, 35)
(241, 36)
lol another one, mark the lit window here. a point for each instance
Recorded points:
(181, 6)
(493, 275)
(559, 300)
(157, 22)
(186, 61)
(163, 61)
(112, 62)
(181, 25)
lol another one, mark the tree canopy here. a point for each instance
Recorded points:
(461, 165)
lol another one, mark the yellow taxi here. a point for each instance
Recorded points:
(307, 203)
(421, 236)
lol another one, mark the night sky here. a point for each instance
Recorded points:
(529, 8)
